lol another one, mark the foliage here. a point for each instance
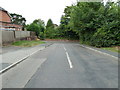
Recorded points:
(37, 26)
(94, 23)
(42, 37)
(18, 19)
(65, 28)
(51, 30)
(49, 23)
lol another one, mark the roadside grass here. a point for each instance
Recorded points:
(113, 49)
(27, 43)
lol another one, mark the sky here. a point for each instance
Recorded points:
(37, 9)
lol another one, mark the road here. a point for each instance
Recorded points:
(64, 65)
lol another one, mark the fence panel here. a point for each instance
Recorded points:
(8, 36)
(0, 37)
(22, 34)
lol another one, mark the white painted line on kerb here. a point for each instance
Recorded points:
(1, 71)
(69, 61)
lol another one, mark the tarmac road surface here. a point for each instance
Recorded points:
(64, 65)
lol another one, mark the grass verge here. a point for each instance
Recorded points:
(113, 49)
(27, 43)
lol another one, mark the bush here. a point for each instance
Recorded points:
(42, 37)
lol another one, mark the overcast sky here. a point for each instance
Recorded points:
(35, 9)
(38, 9)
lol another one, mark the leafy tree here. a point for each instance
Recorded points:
(34, 27)
(49, 24)
(94, 23)
(65, 28)
(18, 19)
(37, 26)
(51, 30)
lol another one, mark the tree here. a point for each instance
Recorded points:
(65, 28)
(41, 24)
(49, 23)
(18, 19)
(34, 27)
(94, 23)
(51, 30)
(37, 26)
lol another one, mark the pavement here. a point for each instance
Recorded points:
(64, 65)
(13, 54)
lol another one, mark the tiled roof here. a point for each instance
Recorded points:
(2, 9)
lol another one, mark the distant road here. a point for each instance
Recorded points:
(65, 65)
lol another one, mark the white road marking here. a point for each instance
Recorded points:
(68, 57)
(64, 48)
(69, 61)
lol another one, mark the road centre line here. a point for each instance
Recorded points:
(69, 61)
(68, 57)
(64, 48)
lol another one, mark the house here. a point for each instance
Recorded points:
(6, 21)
